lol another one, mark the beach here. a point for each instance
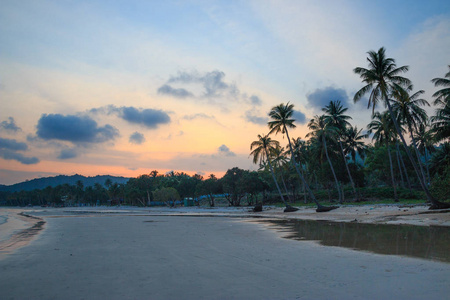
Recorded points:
(201, 253)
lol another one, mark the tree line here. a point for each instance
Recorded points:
(334, 163)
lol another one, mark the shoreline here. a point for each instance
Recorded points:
(18, 230)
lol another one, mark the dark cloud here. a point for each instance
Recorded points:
(251, 117)
(75, 129)
(322, 97)
(212, 82)
(68, 153)
(9, 148)
(299, 117)
(9, 125)
(12, 155)
(150, 118)
(224, 150)
(178, 93)
(137, 138)
(13, 145)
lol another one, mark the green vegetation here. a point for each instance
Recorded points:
(333, 165)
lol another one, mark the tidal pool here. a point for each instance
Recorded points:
(427, 242)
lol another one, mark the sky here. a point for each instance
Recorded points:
(127, 87)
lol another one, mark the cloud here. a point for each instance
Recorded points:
(11, 155)
(9, 148)
(213, 85)
(197, 116)
(150, 118)
(13, 145)
(137, 138)
(255, 100)
(177, 93)
(251, 117)
(75, 129)
(10, 125)
(299, 117)
(322, 97)
(68, 153)
(224, 150)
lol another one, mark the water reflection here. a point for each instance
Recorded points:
(431, 242)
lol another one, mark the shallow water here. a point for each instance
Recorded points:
(427, 242)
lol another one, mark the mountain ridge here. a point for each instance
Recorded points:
(42, 183)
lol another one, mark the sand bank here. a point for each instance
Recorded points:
(127, 253)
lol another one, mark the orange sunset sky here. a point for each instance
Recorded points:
(126, 87)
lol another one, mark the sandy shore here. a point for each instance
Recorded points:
(132, 253)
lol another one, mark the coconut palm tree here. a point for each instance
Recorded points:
(408, 111)
(443, 95)
(334, 115)
(381, 127)
(425, 140)
(322, 130)
(441, 123)
(379, 79)
(300, 156)
(261, 152)
(281, 120)
(279, 160)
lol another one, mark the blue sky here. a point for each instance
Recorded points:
(187, 85)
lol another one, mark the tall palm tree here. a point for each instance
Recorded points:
(379, 79)
(281, 120)
(441, 123)
(300, 156)
(408, 111)
(279, 160)
(334, 115)
(261, 152)
(382, 133)
(425, 140)
(443, 95)
(323, 130)
(353, 141)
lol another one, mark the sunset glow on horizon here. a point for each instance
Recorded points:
(124, 88)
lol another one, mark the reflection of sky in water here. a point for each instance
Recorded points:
(428, 242)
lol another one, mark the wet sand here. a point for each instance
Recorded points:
(151, 254)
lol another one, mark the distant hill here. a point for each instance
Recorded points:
(42, 183)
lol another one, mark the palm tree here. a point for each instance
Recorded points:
(353, 141)
(322, 130)
(424, 138)
(280, 161)
(382, 133)
(408, 111)
(261, 152)
(441, 123)
(300, 156)
(380, 79)
(334, 115)
(442, 96)
(281, 116)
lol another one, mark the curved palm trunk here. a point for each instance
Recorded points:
(274, 178)
(348, 171)
(435, 204)
(404, 168)
(285, 187)
(319, 206)
(392, 172)
(397, 155)
(426, 165)
(332, 169)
